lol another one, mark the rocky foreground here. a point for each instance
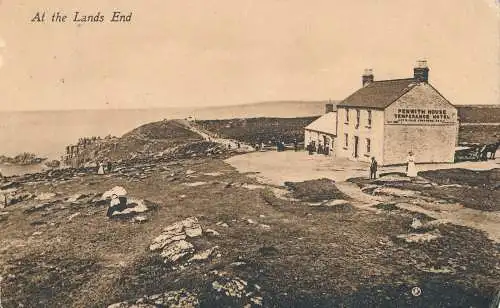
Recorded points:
(196, 233)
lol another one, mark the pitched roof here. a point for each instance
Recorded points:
(327, 123)
(379, 94)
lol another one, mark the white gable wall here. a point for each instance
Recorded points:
(421, 121)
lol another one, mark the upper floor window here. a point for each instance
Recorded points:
(368, 145)
(357, 117)
(346, 136)
(347, 115)
(369, 118)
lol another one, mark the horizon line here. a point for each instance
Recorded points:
(209, 106)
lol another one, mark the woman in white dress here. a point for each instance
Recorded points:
(101, 169)
(411, 169)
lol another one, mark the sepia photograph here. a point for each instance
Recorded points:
(246, 154)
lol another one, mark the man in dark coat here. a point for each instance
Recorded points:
(373, 169)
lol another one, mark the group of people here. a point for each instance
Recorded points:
(411, 169)
(320, 149)
(104, 167)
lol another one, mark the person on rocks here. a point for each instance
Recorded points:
(239, 145)
(373, 169)
(109, 166)
(411, 169)
(295, 145)
(116, 205)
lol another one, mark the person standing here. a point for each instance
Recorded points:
(101, 168)
(373, 169)
(411, 169)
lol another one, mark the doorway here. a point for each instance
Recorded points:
(356, 144)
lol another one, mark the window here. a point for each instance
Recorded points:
(347, 115)
(357, 118)
(346, 140)
(368, 145)
(369, 118)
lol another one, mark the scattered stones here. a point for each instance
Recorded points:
(173, 299)
(236, 287)
(420, 237)
(265, 227)
(396, 192)
(213, 173)
(139, 219)
(238, 264)
(204, 255)
(39, 207)
(73, 216)
(76, 197)
(222, 224)
(45, 196)
(393, 177)
(211, 232)
(19, 197)
(189, 172)
(194, 184)
(251, 221)
(252, 186)
(231, 287)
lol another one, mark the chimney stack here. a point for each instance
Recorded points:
(328, 107)
(421, 71)
(367, 77)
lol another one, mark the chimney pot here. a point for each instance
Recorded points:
(367, 77)
(421, 71)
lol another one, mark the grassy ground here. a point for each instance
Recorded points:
(256, 130)
(296, 255)
(307, 256)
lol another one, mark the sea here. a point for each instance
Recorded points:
(47, 133)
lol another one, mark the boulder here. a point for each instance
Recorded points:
(177, 250)
(172, 241)
(117, 190)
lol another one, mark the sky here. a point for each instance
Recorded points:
(178, 53)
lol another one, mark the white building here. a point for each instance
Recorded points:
(323, 131)
(387, 119)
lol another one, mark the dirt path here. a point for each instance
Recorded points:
(457, 214)
(232, 144)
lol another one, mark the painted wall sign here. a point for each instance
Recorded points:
(420, 116)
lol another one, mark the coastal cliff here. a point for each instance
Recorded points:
(22, 159)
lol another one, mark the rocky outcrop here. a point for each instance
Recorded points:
(22, 159)
(172, 242)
